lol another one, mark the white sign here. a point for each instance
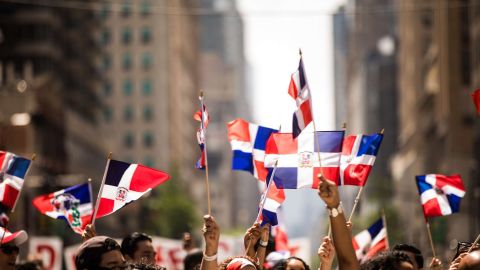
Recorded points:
(49, 250)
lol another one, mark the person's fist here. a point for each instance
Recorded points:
(435, 264)
(326, 252)
(328, 192)
(88, 233)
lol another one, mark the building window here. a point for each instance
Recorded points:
(126, 8)
(147, 87)
(127, 61)
(105, 37)
(147, 60)
(145, 8)
(128, 114)
(146, 35)
(148, 139)
(104, 11)
(106, 62)
(107, 89)
(127, 87)
(107, 114)
(149, 162)
(147, 114)
(128, 140)
(126, 35)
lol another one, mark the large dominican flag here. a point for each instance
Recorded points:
(298, 159)
(248, 143)
(371, 241)
(73, 204)
(440, 194)
(12, 175)
(124, 183)
(358, 156)
(300, 92)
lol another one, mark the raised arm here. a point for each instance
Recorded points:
(342, 238)
(211, 234)
(326, 252)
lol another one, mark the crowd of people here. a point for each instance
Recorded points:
(136, 251)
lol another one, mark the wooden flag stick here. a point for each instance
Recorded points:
(384, 219)
(34, 156)
(474, 243)
(97, 202)
(204, 130)
(264, 197)
(430, 238)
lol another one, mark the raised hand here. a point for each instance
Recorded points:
(88, 233)
(435, 264)
(328, 192)
(211, 233)
(326, 253)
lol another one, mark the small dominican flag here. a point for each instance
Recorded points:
(248, 143)
(440, 194)
(300, 92)
(12, 175)
(298, 159)
(73, 204)
(203, 117)
(476, 99)
(371, 241)
(275, 198)
(358, 156)
(125, 183)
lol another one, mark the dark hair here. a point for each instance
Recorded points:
(192, 260)
(412, 249)
(389, 260)
(29, 265)
(144, 266)
(282, 264)
(129, 243)
(89, 254)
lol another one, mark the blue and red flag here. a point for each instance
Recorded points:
(13, 170)
(125, 183)
(440, 194)
(300, 92)
(203, 117)
(298, 159)
(358, 156)
(371, 241)
(73, 204)
(248, 143)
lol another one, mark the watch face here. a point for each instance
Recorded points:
(334, 212)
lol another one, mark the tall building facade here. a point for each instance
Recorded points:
(438, 131)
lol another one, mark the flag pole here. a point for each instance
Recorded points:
(430, 238)
(474, 244)
(97, 202)
(204, 130)
(384, 219)
(357, 199)
(34, 156)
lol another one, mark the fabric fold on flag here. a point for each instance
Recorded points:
(358, 156)
(73, 204)
(298, 158)
(371, 241)
(12, 175)
(300, 92)
(125, 183)
(440, 194)
(248, 143)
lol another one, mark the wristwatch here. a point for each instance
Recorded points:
(263, 243)
(333, 212)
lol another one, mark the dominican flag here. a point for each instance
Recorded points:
(124, 183)
(275, 198)
(300, 92)
(298, 159)
(248, 143)
(12, 175)
(370, 241)
(476, 99)
(440, 194)
(203, 117)
(358, 155)
(73, 204)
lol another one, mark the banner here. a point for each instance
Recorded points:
(49, 250)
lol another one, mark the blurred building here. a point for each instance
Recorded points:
(48, 104)
(438, 67)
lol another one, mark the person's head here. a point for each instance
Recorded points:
(100, 252)
(414, 253)
(193, 260)
(471, 261)
(9, 248)
(137, 247)
(28, 265)
(291, 263)
(239, 263)
(390, 260)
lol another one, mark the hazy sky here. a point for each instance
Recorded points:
(274, 32)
